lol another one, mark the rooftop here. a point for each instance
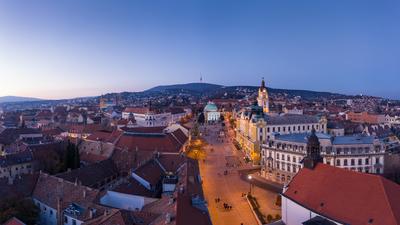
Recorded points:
(290, 119)
(346, 196)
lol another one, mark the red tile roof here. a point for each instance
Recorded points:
(137, 110)
(50, 188)
(105, 136)
(346, 196)
(123, 217)
(145, 130)
(151, 172)
(171, 163)
(14, 221)
(160, 143)
(126, 159)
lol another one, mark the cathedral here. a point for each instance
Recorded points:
(262, 98)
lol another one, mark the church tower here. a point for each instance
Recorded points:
(263, 99)
(313, 151)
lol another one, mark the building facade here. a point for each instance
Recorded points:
(282, 156)
(254, 128)
(211, 113)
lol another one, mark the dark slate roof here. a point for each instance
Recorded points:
(9, 135)
(17, 158)
(345, 140)
(22, 186)
(290, 119)
(318, 221)
(301, 137)
(91, 175)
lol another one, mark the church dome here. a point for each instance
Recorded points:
(210, 107)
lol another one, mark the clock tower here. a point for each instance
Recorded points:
(262, 99)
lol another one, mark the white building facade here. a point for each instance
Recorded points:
(281, 157)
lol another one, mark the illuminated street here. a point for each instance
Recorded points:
(229, 188)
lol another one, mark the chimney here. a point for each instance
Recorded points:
(10, 180)
(167, 218)
(92, 213)
(59, 212)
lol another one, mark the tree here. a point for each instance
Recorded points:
(77, 159)
(23, 209)
(201, 119)
(71, 158)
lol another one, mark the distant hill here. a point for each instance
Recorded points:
(17, 99)
(195, 87)
(214, 89)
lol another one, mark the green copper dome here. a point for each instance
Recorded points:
(210, 107)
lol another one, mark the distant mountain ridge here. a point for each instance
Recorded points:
(215, 88)
(198, 87)
(4, 99)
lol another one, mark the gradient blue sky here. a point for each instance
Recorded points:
(57, 49)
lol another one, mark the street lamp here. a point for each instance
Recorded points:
(249, 177)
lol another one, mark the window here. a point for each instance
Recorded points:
(376, 160)
(268, 129)
(288, 168)
(294, 168)
(345, 162)
(294, 159)
(308, 127)
(338, 162)
(298, 128)
(277, 166)
(304, 128)
(359, 161)
(277, 155)
(51, 212)
(366, 161)
(73, 222)
(284, 129)
(288, 129)
(288, 158)
(273, 129)
(353, 162)
(279, 129)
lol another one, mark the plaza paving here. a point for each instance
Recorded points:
(229, 188)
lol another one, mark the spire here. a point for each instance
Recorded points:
(262, 83)
(313, 156)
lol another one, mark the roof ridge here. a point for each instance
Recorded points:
(173, 135)
(386, 198)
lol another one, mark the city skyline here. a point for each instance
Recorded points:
(70, 49)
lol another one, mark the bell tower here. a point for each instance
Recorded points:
(313, 156)
(263, 99)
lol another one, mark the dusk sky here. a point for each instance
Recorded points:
(61, 49)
